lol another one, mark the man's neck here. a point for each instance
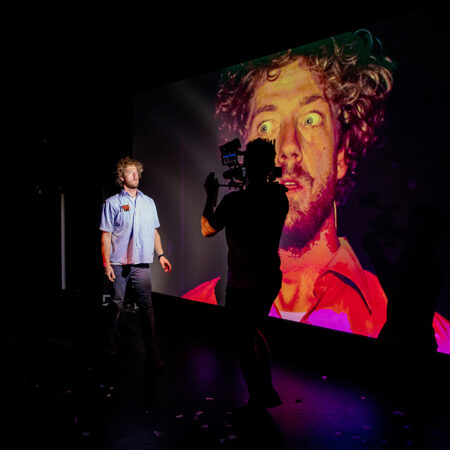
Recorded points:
(132, 191)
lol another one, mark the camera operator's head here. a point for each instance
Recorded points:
(259, 160)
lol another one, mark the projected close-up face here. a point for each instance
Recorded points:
(341, 136)
(290, 107)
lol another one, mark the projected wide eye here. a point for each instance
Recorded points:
(267, 129)
(312, 120)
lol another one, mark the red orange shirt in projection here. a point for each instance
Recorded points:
(346, 298)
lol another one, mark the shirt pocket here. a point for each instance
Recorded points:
(122, 218)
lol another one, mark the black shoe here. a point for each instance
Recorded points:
(270, 399)
(247, 417)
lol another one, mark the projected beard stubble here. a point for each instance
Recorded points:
(305, 220)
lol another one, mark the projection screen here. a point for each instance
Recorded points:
(370, 97)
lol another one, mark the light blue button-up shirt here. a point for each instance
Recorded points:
(132, 224)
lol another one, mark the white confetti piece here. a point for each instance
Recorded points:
(180, 416)
(209, 398)
(111, 388)
(108, 395)
(205, 426)
(157, 433)
(199, 413)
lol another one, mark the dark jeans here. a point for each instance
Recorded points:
(139, 277)
(246, 311)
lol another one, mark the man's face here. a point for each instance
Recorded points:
(131, 177)
(294, 111)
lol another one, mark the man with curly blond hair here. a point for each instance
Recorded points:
(322, 104)
(130, 237)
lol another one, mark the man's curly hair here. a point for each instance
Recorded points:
(122, 165)
(356, 77)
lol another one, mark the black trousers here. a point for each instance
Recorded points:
(246, 312)
(139, 277)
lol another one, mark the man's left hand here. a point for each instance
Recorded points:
(165, 264)
(212, 187)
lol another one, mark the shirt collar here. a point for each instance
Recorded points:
(346, 266)
(124, 193)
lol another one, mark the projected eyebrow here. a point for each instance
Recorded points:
(265, 108)
(311, 99)
(303, 102)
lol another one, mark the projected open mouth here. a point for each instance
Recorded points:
(291, 184)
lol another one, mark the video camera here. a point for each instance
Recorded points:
(236, 172)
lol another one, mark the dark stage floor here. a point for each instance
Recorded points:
(58, 391)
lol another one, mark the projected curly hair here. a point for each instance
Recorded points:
(122, 165)
(356, 77)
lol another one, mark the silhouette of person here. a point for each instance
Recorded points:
(253, 219)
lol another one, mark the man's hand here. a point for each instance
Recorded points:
(109, 271)
(165, 264)
(212, 187)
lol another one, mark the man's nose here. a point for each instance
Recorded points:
(288, 145)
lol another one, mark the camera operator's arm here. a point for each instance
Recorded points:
(212, 188)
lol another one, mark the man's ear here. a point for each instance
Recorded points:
(341, 163)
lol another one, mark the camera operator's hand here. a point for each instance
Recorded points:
(212, 187)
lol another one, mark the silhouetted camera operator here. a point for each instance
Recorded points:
(253, 219)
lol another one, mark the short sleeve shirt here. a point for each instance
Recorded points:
(131, 222)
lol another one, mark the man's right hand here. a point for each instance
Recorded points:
(109, 271)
